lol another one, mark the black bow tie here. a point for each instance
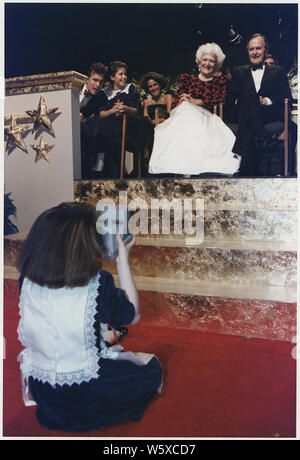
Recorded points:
(256, 66)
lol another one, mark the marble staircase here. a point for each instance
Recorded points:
(240, 280)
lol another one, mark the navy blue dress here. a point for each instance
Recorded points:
(98, 134)
(122, 390)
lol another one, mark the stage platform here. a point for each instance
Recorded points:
(240, 280)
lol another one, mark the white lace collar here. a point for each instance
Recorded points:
(110, 93)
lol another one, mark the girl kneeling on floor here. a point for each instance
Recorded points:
(66, 302)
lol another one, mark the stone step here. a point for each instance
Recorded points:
(269, 319)
(220, 289)
(225, 226)
(233, 209)
(264, 318)
(240, 263)
(215, 289)
(241, 267)
(15, 241)
(218, 194)
(179, 241)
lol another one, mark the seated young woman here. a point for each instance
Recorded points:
(193, 140)
(153, 84)
(119, 98)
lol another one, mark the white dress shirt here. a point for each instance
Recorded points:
(257, 77)
(83, 99)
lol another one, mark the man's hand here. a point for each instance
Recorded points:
(263, 100)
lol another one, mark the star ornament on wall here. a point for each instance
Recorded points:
(41, 116)
(13, 135)
(42, 150)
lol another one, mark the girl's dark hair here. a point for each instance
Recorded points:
(160, 79)
(115, 66)
(62, 247)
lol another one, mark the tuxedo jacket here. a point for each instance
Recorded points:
(274, 85)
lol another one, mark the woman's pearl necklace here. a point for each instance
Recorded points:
(201, 77)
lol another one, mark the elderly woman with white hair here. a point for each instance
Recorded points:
(194, 140)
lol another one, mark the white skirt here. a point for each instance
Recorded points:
(193, 141)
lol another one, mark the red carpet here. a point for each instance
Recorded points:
(215, 386)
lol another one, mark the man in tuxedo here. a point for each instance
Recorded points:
(258, 91)
(91, 159)
(94, 83)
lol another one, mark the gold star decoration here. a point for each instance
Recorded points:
(14, 133)
(41, 116)
(42, 150)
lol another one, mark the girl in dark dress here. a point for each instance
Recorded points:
(153, 85)
(66, 302)
(121, 97)
(115, 100)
